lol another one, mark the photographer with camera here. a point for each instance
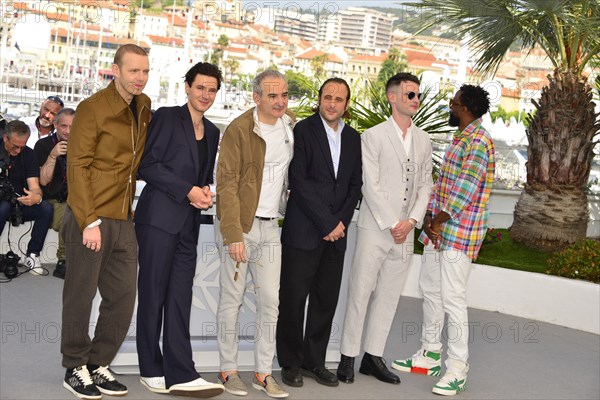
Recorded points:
(51, 152)
(20, 173)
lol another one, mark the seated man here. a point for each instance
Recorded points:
(41, 124)
(21, 192)
(51, 153)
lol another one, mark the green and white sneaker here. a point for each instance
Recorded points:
(422, 362)
(450, 384)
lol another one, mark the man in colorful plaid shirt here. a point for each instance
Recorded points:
(454, 228)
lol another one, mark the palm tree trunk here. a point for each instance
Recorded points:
(552, 211)
(550, 220)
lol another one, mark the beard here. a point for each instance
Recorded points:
(453, 120)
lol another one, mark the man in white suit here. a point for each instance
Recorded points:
(397, 183)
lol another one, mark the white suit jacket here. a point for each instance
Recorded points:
(384, 177)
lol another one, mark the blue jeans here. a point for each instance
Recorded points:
(41, 214)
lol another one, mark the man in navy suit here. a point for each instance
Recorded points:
(177, 166)
(325, 181)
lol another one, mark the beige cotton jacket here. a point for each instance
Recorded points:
(240, 173)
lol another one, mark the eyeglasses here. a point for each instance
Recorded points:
(56, 99)
(412, 95)
(454, 103)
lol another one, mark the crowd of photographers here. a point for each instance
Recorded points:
(33, 185)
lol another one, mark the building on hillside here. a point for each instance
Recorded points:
(148, 22)
(333, 64)
(358, 29)
(362, 68)
(291, 21)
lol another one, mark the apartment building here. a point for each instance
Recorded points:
(357, 28)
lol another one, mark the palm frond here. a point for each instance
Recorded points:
(567, 30)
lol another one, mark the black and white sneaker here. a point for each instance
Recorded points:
(106, 382)
(79, 382)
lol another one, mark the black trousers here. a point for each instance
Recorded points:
(167, 269)
(317, 274)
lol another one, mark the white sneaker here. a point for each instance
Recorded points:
(34, 266)
(452, 383)
(155, 384)
(422, 362)
(197, 388)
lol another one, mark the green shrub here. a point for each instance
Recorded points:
(578, 261)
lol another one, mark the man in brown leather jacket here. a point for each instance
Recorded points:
(109, 133)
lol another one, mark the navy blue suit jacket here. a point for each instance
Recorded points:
(171, 167)
(318, 200)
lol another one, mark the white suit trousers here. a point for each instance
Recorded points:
(379, 271)
(443, 283)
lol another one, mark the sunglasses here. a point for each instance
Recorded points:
(56, 99)
(412, 95)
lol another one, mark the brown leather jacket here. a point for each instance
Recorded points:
(103, 156)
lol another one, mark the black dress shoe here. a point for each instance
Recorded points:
(372, 365)
(345, 371)
(291, 376)
(321, 375)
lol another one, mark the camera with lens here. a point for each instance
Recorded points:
(7, 193)
(8, 264)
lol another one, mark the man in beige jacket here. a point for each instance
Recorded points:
(251, 178)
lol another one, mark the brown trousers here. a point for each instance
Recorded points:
(113, 272)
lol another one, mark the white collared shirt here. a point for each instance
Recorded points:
(406, 140)
(334, 138)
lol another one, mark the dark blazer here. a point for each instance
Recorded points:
(318, 200)
(170, 167)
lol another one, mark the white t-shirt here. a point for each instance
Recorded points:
(277, 159)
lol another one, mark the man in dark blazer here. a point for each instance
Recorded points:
(325, 181)
(177, 166)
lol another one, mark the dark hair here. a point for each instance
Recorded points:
(203, 68)
(64, 111)
(128, 48)
(335, 80)
(400, 77)
(476, 99)
(17, 127)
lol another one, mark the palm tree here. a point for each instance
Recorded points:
(552, 211)
(396, 61)
(231, 66)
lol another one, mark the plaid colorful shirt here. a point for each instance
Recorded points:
(463, 189)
